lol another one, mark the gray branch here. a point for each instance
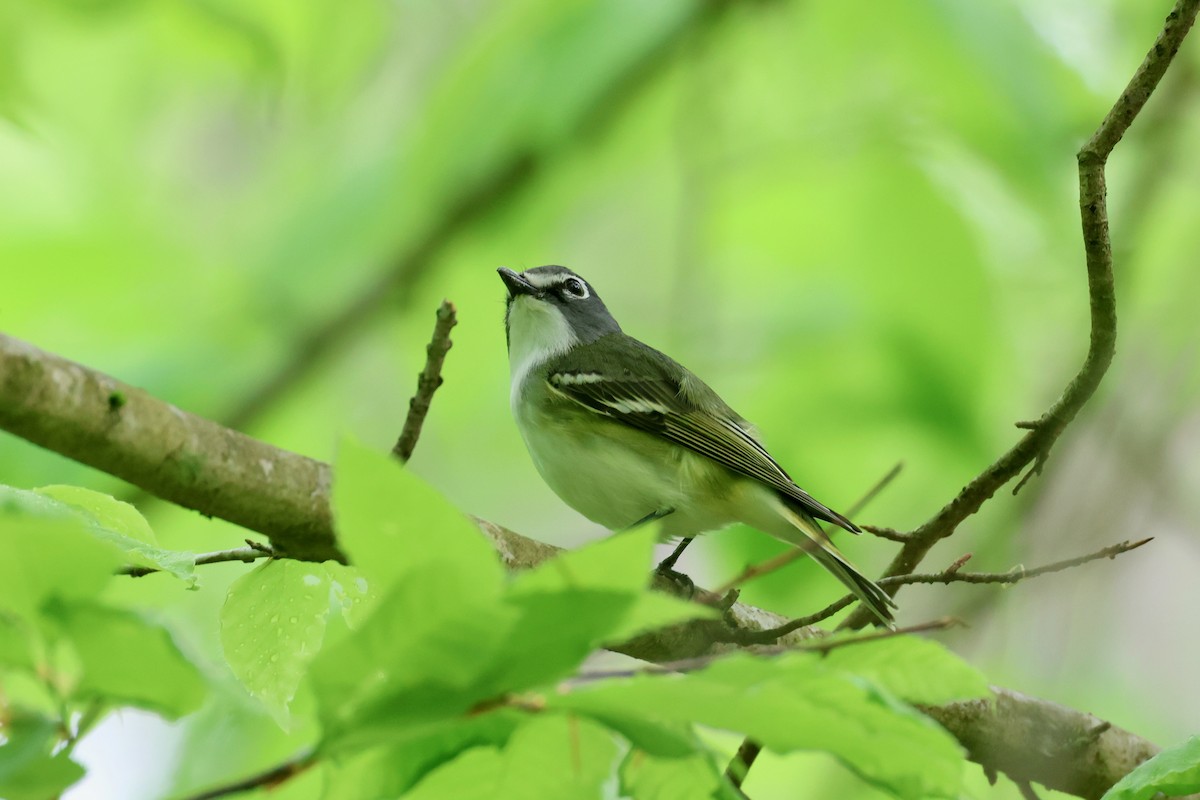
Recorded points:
(1032, 740)
(191, 461)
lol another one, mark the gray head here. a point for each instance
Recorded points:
(553, 308)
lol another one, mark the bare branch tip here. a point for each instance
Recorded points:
(428, 381)
(959, 563)
(1093, 735)
(891, 534)
(729, 599)
(1036, 469)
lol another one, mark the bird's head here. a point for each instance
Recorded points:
(551, 309)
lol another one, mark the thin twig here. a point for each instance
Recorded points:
(741, 763)
(823, 645)
(1016, 575)
(263, 780)
(959, 563)
(783, 559)
(1032, 449)
(891, 534)
(950, 575)
(252, 552)
(812, 619)
(428, 381)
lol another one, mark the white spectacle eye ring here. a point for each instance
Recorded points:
(575, 288)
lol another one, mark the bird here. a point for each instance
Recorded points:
(624, 434)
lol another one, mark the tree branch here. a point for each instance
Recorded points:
(263, 780)
(742, 761)
(824, 644)
(950, 575)
(251, 552)
(191, 461)
(1034, 447)
(428, 381)
(1032, 740)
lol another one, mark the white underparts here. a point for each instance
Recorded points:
(537, 331)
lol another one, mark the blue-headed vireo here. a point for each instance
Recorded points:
(624, 434)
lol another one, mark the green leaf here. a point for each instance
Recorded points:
(620, 562)
(123, 525)
(49, 557)
(16, 650)
(391, 770)
(911, 668)
(179, 563)
(549, 756)
(554, 632)
(673, 740)
(28, 771)
(231, 737)
(273, 623)
(645, 777)
(112, 521)
(557, 756)
(128, 660)
(569, 605)
(793, 702)
(474, 775)
(578, 600)
(104, 510)
(40, 778)
(392, 524)
(419, 657)
(350, 593)
(1174, 772)
(406, 666)
(654, 610)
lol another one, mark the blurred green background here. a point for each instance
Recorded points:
(858, 222)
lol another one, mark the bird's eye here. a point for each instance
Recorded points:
(575, 288)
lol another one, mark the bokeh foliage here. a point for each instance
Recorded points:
(431, 670)
(858, 224)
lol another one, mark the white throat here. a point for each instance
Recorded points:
(537, 331)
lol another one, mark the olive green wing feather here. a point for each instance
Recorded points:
(650, 392)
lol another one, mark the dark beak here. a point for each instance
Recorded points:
(516, 283)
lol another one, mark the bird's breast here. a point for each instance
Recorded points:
(616, 475)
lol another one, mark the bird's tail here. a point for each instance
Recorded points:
(865, 589)
(817, 544)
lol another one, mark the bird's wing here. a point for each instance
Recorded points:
(651, 401)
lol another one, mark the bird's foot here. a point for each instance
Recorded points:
(684, 585)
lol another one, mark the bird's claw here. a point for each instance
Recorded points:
(684, 584)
